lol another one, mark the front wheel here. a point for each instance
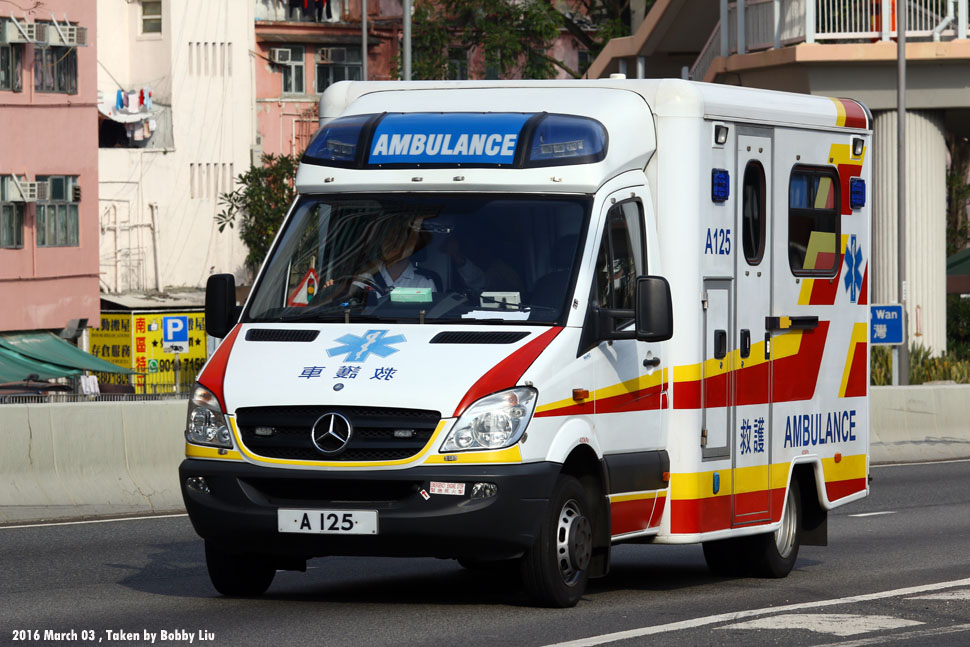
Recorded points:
(555, 570)
(238, 575)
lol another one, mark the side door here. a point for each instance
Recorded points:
(752, 374)
(629, 375)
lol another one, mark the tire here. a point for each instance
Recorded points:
(555, 570)
(238, 575)
(766, 555)
(776, 552)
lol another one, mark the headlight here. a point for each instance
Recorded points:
(205, 423)
(494, 422)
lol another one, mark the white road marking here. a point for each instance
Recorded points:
(837, 624)
(77, 523)
(919, 635)
(751, 613)
(949, 595)
(952, 460)
(873, 514)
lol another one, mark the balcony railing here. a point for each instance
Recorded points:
(777, 23)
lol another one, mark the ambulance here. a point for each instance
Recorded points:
(518, 323)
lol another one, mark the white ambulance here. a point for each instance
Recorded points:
(531, 320)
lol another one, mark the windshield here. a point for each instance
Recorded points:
(446, 258)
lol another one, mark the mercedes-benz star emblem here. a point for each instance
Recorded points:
(331, 433)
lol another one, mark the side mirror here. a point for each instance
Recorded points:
(654, 309)
(220, 305)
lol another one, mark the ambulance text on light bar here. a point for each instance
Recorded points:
(447, 138)
(492, 139)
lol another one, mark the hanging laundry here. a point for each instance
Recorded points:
(148, 99)
(119, 100)
(124, 99)
(141, 97)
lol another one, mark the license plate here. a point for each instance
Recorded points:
(328, 522)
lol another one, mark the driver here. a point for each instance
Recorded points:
(395, 268)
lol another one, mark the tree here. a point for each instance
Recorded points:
(260, 204)
(511, 36)
(958, 194)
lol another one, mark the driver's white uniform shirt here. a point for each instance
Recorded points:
(408, 279)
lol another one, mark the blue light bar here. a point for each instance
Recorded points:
(567, 139)
(857, 192)
(720, 185)
(458, 139)
(336, 143)
(478, 139)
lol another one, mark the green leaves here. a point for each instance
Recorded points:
(260, 204)
(503, 39)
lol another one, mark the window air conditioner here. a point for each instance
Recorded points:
(12, 31)
(280, 55)
(23, 191)
(73, 36)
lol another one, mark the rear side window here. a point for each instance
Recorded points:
(813, 221)
(753, 213)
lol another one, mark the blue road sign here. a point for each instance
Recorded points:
(886, 324)
(175, 334)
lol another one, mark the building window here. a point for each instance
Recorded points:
(11, 219)
(293, 72)
(457, 64)
(57, 217)
(151, 16)
(813, 220)
(11, 57)
(583, 60)
(337, 64)
(55, 69)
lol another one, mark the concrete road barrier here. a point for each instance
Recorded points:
(95, 459)
(920, 423)
(90, 459)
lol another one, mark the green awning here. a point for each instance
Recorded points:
(48, 347)
(959, 263)
(15, 367)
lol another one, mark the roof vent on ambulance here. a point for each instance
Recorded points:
(443, 140)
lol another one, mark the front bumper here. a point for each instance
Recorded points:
(240, 511)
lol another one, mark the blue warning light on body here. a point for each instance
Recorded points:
(857, 192)
(720, 185)
(450, 138)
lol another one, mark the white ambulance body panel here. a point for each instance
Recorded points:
(524, 384)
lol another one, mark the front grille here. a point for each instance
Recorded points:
(373, 438)
(333, 491)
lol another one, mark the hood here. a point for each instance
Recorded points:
(403, 366)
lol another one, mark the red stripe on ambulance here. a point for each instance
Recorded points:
(506, 373)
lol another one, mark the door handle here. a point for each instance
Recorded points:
(652, 362)
(720, 344)
(745, 343)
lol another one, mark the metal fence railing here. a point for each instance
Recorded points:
(78, 397)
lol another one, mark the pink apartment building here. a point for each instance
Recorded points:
(48, 165)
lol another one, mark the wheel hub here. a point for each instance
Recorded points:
(574, 541)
